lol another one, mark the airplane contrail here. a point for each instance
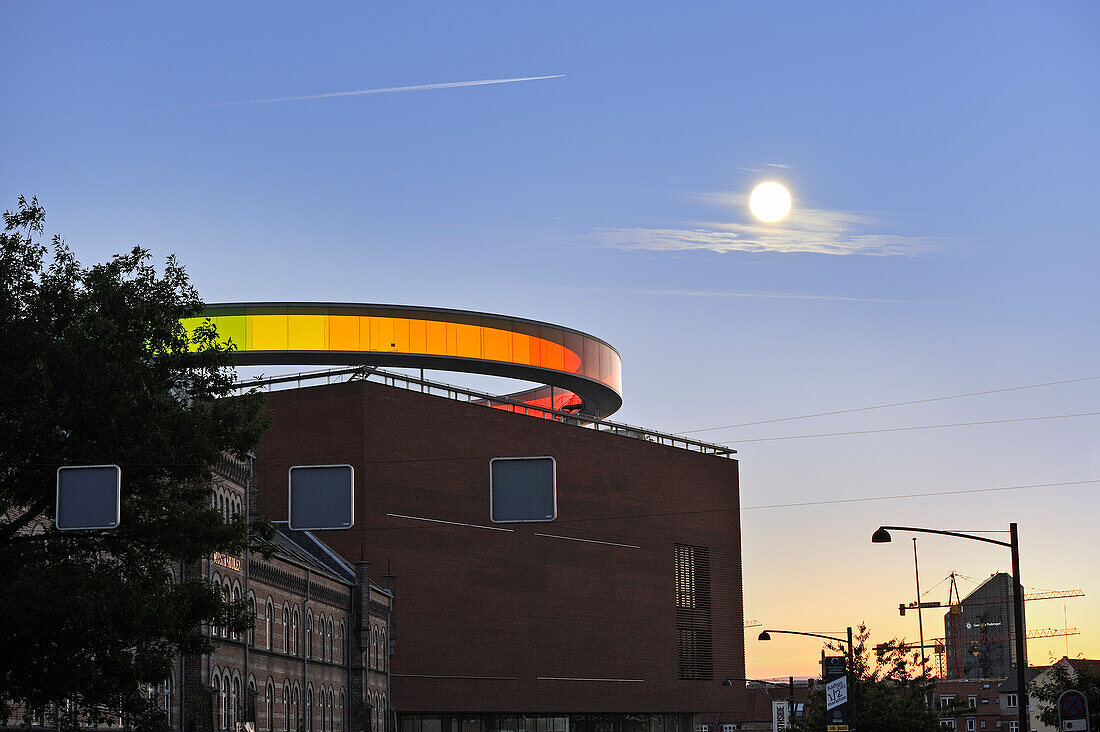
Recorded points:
(385, 90)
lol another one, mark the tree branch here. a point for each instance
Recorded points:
(9, 530)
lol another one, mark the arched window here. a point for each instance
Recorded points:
(286, 706)
(250, 696)
(269, 612)
(343, 705)
(236, 595)
(295, 697)
(309, 634)
(295, 623)
(342, 650)
(235, 709)
(216, 583)
(226, 696)
(384, 719)
(252, 625)
(269, 705)
(331, 709)
(309, 708)
(167, 701)
(321, 636)
(286, 629)
(216, 682)
(385, 651)
(373, 646)
(321, 703)
(331, 639)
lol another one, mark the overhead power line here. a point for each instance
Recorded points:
(921, 427)
(894, 404)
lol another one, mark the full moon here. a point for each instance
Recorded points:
(770, 202)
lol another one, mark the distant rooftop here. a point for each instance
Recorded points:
(458, 393)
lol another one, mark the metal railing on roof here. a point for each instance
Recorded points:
(471, 396)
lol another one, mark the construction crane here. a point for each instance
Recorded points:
(939, 645)
(953, 591)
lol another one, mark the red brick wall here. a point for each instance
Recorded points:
(479, 603)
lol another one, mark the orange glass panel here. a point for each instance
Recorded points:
(437, 337)
(469, 341)
(418, 336)
(551, 349)
(498, 344)
(343, 332)
(400, 335)
(381, 334)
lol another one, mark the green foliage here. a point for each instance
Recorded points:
(95, 368)
(1061, 679)
(890, 697)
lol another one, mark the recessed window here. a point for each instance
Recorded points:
(523, 489)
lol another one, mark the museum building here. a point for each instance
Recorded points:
(616, 605)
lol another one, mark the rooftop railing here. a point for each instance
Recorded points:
(462, 394)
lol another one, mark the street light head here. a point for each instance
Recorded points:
(727, 682)
(882, 536)
(764, 636)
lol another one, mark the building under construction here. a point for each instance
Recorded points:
(980, 632)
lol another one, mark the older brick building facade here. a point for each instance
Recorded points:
(317, 658)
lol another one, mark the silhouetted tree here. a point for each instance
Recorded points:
(95, 368)
(892, 696)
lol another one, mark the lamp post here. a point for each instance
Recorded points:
(765, 636)
(882, 536)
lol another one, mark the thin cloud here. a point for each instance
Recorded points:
(728, 293)
(805, 230)
(384, 90)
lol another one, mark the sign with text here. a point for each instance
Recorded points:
(836, 693)
(837, 714)
(781, 718)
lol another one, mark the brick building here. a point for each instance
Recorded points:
(318, 656)
(621, 613)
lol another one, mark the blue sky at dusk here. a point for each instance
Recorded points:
(944, 238)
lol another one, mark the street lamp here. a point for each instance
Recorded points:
(765, 636)
(882, 536)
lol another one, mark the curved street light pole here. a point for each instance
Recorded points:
(765, 635)
(883, 535)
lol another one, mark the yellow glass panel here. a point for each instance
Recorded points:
(306, 332)
(498, 344)
(469, 341)
(418, 336)
(268, 333)
(343, 332)
(232, 327)
(437, 337)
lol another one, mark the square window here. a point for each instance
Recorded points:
(523, 489)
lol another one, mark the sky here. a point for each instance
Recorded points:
(942, 159)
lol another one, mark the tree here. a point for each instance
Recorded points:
(95, 368)
(891, 697)
(1062, 677)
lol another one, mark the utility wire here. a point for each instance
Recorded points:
(893, 404)
(921, 427)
